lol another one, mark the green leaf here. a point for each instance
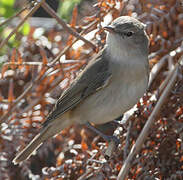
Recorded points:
(25, 29)
(6, 8)
(66, 7)
(7, 2)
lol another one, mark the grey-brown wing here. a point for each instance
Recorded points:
(91, 79)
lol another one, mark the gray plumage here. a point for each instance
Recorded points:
(110, 84)
(83, 86)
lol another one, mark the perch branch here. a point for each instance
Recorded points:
(137, 146)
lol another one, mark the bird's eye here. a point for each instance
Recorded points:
(129, 33)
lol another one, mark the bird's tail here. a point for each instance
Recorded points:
(48, 131)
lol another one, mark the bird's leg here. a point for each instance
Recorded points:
(105, 137)
(116, 122)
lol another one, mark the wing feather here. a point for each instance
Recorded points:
(93, 78)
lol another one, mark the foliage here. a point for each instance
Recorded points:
(34, 77)
(7, 10)
(66, 7)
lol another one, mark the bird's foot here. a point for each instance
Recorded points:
(105, 137)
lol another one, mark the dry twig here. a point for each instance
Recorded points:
(65, 26)
(9, 19)
(144, 133)
(34, 9)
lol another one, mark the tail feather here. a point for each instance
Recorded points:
(32, 146)
(47, 132)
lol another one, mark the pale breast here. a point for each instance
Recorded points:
(124, 90)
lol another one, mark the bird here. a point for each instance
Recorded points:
(110, 84)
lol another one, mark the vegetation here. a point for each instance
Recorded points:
(45, 62)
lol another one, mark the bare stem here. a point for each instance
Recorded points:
(21, 23)
(65, 26)
(9, 19)
(145, 131)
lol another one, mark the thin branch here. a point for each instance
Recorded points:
(23, 95)
(110, 149)
(127, 140)
(163, 84)
(9, 19)
(156, 69)
(33, 103)
(13, 107)
(67, 47)
(144, 133)
(88, 171)
(158, 92)
(21, 23)
(24, 63)
(15, 103)
(65, 26)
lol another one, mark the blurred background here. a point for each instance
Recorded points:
(40, 57)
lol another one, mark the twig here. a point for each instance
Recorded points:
(110, 149)
(127, 140)
(137, 146)
(57, 58)
(67, 48)
(21, 23)
(156, 69)
(9, 19)
(164, 84)
(13, 107)
(37, 100)
(82, 177)
(65, 26)
(25, 63)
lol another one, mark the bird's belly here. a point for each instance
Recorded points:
(109, 103)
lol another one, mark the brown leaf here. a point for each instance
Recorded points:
(43, 55)
(10, 91)
(4, 69)
(74, 17)
(84, 146)
(13, 56)
(19, 60)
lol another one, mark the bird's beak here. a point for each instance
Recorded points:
(109, 29)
